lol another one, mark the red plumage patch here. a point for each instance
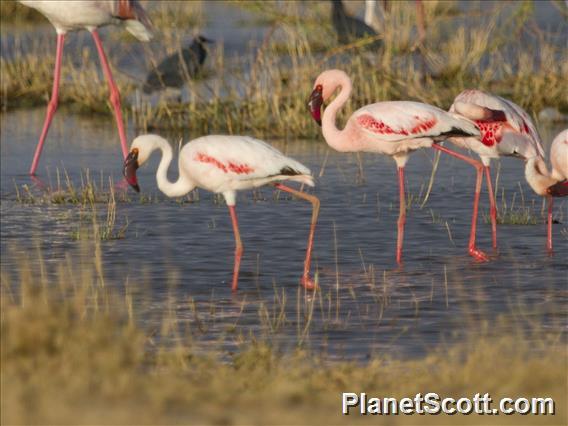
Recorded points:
(377, 126)
(491, 131)
(232, 167)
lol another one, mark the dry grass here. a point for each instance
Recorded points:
(26, 79)
(73, 351)
(267, 90)
(13, 12)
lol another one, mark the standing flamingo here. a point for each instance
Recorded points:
(225, 164)
(506, 130)
(89, 14)
(554, 184)
(370, 16)
(392, 128)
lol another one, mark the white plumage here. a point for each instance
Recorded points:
(75, 15)
(221, 164)
(225, 164)
(394, 128)
(413, 120)
(559, 156)
(518, 134)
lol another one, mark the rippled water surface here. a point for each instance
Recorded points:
(178, 255)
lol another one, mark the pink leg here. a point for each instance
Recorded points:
(549, 226)
(420, 23)
(306, 281)
(493, 207)
(114, 94)
(52, 105)
(401, 215)
(473, 251)
(238, 248)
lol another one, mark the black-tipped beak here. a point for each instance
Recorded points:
(129, 169)
(315, 102)
(559, 189)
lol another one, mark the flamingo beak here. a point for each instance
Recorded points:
(559, 189)
(129, 169)
(315, 102)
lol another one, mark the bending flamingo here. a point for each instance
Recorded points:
(224, 165)
(550, 184)
(506, 130)
(89, 14)
(391, 128)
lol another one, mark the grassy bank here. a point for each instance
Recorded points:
(73, 351)
(264, 92)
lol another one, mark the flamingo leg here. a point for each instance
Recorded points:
(401, 215)
(549, 225)
(493, 207)
(114, 93)
(420, 22)
(473, 250)
(52, 105)
(238, 248)
(306, 281)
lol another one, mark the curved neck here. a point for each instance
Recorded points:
(172, 189)
(334, 136)
(538, 176)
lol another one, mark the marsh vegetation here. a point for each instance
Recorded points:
(115, 306)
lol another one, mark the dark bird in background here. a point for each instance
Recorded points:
(174, 70)
(349, 28)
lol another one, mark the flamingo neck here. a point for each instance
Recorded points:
(335, 137)
(538, 176)
(172, 189)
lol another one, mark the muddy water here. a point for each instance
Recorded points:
(367, 303)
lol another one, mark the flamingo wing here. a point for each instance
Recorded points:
(522, 135)
(402, 120)
(559, 156)
(136, 19)
(243, 158)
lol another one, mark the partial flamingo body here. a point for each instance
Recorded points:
(505, 130)
(75, 15)
(224, 165)
(391, 128)
(550, 184)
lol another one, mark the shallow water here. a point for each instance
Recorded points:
(367, 304)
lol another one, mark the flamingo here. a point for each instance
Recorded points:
(505, 130)
(89, 14)
(223, 165)
(550, 184)
(393, 128)
(370, 16)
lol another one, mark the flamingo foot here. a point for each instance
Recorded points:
(121, 185)
(308, 283)
(478, 255)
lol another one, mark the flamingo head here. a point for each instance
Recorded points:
(325, 85)
(130, 166)
(538, 177)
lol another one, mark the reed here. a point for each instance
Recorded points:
(267, 91)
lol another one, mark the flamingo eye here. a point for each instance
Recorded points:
(319, 87)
